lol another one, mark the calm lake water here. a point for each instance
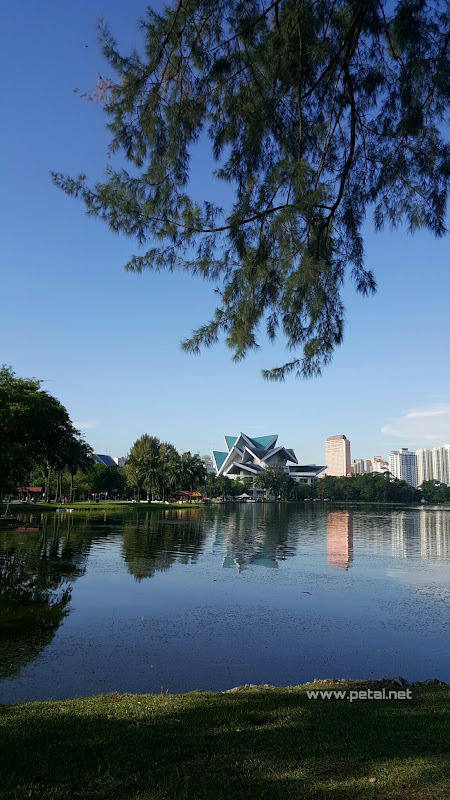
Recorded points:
(211, 598)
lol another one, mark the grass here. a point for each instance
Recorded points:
(104, 505)
(252, 744)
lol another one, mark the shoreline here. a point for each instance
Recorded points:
(316, 684)
(120, 505)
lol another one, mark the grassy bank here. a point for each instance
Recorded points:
(258, 744)
(104, 505)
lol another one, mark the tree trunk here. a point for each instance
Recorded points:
(47, 488)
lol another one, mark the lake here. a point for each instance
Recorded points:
(149, 600)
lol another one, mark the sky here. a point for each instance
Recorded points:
(107, 343)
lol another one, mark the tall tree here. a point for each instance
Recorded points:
(276, 480)
(315, 111)
(144, 465)
(79, 457)
(35, 428)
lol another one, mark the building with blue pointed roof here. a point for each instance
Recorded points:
(247, 456)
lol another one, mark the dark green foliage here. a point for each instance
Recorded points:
(314, 112)
(35, 433)
(435, 492)
(275, 481)
(144, 465)
(374, 487)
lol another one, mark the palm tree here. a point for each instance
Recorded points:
(79, 456)
(192, 471)
(170, 467)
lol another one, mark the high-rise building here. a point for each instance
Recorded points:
(433, 464)
(403, 465)
(337, 456)
(358, 466)
(441, 461)
(425, 465)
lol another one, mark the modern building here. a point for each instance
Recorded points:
(379, 464)
(403, 465)
(337, 456)
(106, 461)
(358, 466)
(120, 460)
(247, 457)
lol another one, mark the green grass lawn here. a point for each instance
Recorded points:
(257, 744)
(104, 505)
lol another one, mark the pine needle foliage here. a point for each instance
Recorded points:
(315, 111)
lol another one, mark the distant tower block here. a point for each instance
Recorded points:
(337, 456)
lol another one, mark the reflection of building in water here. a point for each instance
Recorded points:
(339, 539)
(435, 534)
(405, 534)
(257, 535)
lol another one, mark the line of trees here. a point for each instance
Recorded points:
(374, 487)
(435, 492)
(158, 469)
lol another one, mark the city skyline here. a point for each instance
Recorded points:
(107, 343)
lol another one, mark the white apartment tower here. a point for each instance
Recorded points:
(403, 465)
(433, 464)
(358, 466)
(425, 465)
(337, 456)
(441, 460)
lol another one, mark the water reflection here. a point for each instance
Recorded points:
(37, 569)
(43, 561)
(340, 539)
(154, 543)
(435, 534)
(255, 535)
(405, 534)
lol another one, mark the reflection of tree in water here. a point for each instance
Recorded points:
(257, 534)
(36, 574)
(153, 544)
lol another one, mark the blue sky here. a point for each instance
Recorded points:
(107, 343)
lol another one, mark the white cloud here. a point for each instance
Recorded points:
(422, 427)
(86, 424)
